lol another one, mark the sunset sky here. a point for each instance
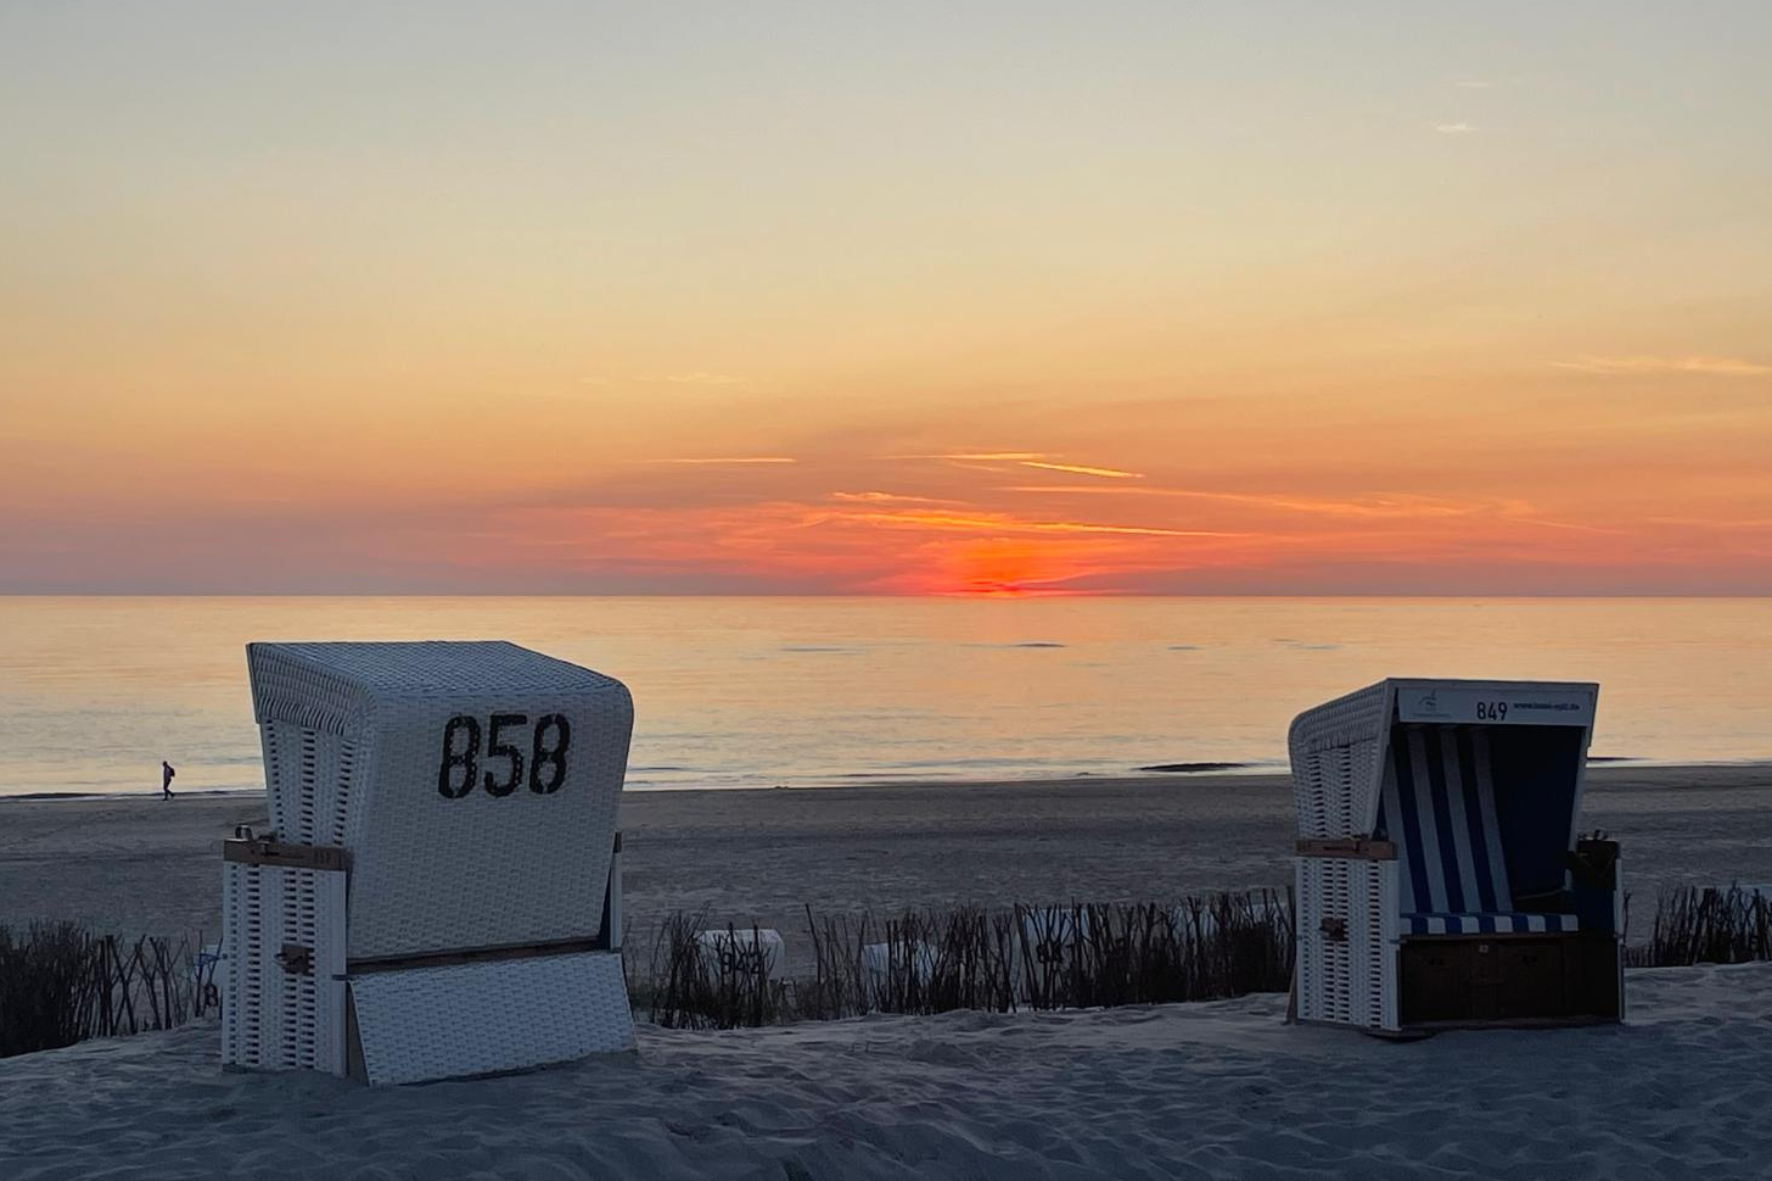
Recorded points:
(889, 298)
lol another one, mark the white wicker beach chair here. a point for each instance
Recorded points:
(742, 951)
(910, 960)
(441, 895)
(1440, 878)
(1049, 938)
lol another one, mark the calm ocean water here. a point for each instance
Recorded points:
(740, 692)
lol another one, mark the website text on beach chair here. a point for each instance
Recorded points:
(441, 894)
(1440, 879)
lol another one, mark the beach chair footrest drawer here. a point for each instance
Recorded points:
(420, 1024)
(1487, 979)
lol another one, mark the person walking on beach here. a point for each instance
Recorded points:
(166, 774)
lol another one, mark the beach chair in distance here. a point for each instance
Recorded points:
(441, 895)
(1441, 882)
(897, 967)
(1050, 939)
(755, 952)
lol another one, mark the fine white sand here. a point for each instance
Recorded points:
(1210, 1090)
(1213, 1090)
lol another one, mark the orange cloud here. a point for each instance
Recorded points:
(1705, 366)
(984, 456)
(886, 498)
(1078, 470)
(732, 460)
(1402, 505)
(998, 522)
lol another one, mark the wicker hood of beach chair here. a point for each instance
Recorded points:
(440, 895)
(1440, 877)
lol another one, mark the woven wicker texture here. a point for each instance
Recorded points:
(242, 1017)
(357, 736)
(1340, 773)
(1335, 763)
(309, 775)
(434, 1023)
(1349, 980)
(271, 1018)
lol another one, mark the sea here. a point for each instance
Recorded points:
(804, 692)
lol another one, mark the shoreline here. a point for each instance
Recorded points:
(1601, 767)
(138, 865)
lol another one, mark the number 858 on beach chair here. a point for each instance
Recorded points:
(441, 896)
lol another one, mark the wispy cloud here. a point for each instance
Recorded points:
(1713, 523)
(1504, 82)
(1460, 128)
(1633, 365)
(1389, 505)
(1079, 470)
(1008, 523)
(1083, 527)
(1396, 506)
(697, 378)
(886, 498)
(979, 456)
(1042, 460)
(731, 459)
(1547, 523)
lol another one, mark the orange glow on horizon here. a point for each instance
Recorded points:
(572, 303)
(1003, 568)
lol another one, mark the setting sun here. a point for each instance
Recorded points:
(1190, 307)
(1002, 567)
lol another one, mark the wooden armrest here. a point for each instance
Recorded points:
(267, 852)
(1358, 848)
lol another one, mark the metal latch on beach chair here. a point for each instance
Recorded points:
(276, 854)
(296, 959)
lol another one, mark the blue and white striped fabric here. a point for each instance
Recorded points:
(1439, 809)
(1513, 922)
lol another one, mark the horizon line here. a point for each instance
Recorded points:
(960, 595)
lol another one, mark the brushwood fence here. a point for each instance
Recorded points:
(1081, 956)
(1706, 925)
(1025, 957)
(61, 984)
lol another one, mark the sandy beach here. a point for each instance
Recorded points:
(1217, 1090)
(140, 866)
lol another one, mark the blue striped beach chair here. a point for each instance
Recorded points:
(1440, 878)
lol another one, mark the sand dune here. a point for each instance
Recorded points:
(1211, 1090)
